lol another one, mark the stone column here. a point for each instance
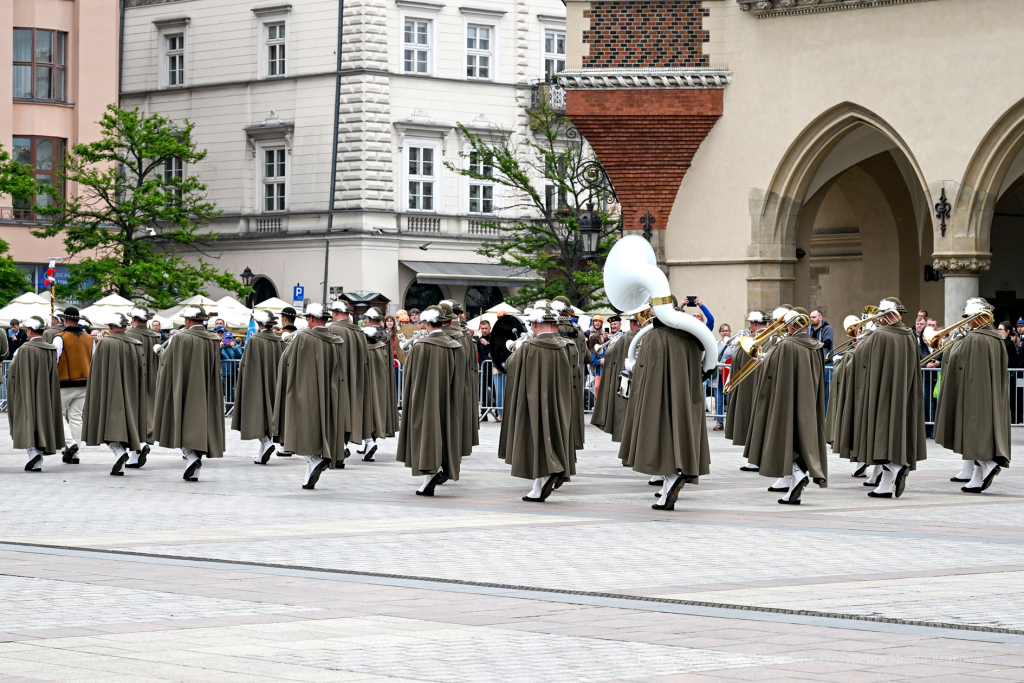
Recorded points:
(961, 283)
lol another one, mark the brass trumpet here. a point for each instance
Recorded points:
(853, 326)
(754, 347)
(933, 338)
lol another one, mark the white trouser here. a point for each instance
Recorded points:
(72, 400)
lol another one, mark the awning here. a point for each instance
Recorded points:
(472, 274)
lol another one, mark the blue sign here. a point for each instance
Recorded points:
(60, 273)
(298, 293)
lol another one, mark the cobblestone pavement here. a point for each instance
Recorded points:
(244, 576)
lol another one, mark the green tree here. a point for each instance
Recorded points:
(126, 229)
(552, 177)
(16, 182)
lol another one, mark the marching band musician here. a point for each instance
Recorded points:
(189, 408)
(253, 415)
(429, 441)
(569, 329)
(472, 367)
(741, 400)
(470, 402)
(610, 408)
(355, 358)
(888, 406)
(839, 416)
(755, 379)
(33, 397)
(110, 415)
(786, 436)
(149, 363)
(311, 403)
(380, 383)
(537, 430)
(973, 415)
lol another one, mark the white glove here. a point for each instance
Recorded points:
(629, 364)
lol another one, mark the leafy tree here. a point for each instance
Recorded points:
(16, 182)
(131, 219)
(553, 177)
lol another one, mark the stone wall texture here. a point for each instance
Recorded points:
(645, 34)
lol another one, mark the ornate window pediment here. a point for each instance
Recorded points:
(763, 9)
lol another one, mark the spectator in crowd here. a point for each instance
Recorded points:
(483, 342)
(718, 379)
(414, 316)
(703, 315)
(1020, 332)
(158, 328)
(922, 315)
(15, 337)
(821, 331)
(95, 334)
(228, 352)
(1006, 329)
(596, 324)
(919, 327)
(597, 358)
(220, 330)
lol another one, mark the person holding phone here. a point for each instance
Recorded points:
(703, 315)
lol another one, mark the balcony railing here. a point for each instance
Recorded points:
(551, 93)
(10, 214)
(428, 224)
(267, 225)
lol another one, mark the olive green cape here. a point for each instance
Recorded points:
(536, 425)
(973, 414)
(431, 433)
(112, 404)
(472, 378)
(355, 367)
(580, 359)
(835, 396)
(189, 408)
(311, 402)
(149, 364)
(256, 385)
(51, 332)
(33, 398)
(470, 402)
(787, 424)
(610, 408)
(888, 406)
(741, 400)
(381, 385)
(665, 431)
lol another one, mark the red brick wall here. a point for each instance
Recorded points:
(646, 140)
(645, 34)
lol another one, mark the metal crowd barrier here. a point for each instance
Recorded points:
(492, 389)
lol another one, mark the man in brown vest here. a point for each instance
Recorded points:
(74, 356)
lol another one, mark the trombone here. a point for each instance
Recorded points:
(933, 338)
(853, 326)
(754, 347)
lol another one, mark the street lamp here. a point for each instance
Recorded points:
(247, 276)
(590, 232)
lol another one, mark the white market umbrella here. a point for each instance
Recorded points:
(98, 312)
(502, 308)
(235, 314)
(197, 300)
(277, 305)
(25, 306)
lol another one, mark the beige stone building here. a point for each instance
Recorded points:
(861, 149)
(61, 60)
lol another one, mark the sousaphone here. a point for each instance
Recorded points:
(507, 329)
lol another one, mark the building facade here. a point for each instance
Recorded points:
(62, 73)
(331, 174)
(824, 153)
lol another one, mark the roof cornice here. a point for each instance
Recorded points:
(766, 9)
(626, 79)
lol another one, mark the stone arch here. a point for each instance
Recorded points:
(775, 212)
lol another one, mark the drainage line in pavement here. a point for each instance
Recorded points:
(530, 589)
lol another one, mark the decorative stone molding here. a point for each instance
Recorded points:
(144, 3)
(764, 9)
(626, 79)
(968, 265)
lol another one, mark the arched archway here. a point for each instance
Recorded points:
(844, 221)
(263, 289)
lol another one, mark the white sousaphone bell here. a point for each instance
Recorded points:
(631, 276)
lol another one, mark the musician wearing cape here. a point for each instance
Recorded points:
(355, 362)
(110, 415)
(839, 416)
(973, 414)
(568, 328)
(189, 408)
(149, 364)
(253, 415)
(746, 375)
(430, 438)
(888, 407)
(33, 397)
(469, 413)
(380, 383)
(786, 434)
(610, 407)
(664, 432)
(741, 396)
(538, 436)
(311, 410)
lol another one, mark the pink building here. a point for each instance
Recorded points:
(62, 71)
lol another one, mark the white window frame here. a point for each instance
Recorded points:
(431, 20)
(261, 180)
(436, 146)
(166, 35)
(174, 165)
(266, 43)
(546, 28)
(469, 18)
(497, 189)
(482, 184)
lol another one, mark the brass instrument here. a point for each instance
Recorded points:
(754, 347)
(933, 338)
(853, 326)
(614, 338)
(406, 343)
(735, 339)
